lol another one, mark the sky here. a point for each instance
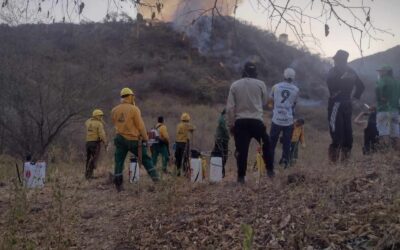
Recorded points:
(384, 15)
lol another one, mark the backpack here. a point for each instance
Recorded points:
(154, 135)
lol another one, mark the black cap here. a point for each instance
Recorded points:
(160, 119)
(341, 55)
(250, 70)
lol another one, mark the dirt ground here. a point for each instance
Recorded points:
(313, 205)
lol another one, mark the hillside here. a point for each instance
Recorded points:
(74, 68)
(368, 65)
(49, 72)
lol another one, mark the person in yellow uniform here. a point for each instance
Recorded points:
(161, 146)
(130, 128)
(184, 130)
(95, 135)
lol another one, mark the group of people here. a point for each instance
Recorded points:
(243, 118)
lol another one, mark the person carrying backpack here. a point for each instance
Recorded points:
(161, 145)
(184, 132)
(284, 96)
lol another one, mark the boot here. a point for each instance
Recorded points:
(118, 180)
(89, 173)
(333, 154)
(240, 180)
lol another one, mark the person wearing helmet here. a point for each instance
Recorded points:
(130, 129)
(161, 146)
(95, 135)
(246, 100)
(342, 81)
(387, 97)
(184, 132)
(284, 97)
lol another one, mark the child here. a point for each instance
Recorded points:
(259, 165)
(297, 137)
(370, 132)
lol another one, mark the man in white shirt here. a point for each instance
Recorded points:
(284, 96)
(246, 99)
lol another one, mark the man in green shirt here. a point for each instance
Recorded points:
(222, 141)
(387, 98)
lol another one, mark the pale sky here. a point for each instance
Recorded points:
(385, 14)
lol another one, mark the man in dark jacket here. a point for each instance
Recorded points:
(342, 81)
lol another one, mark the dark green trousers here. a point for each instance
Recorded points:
(160, 149)
(122, 146)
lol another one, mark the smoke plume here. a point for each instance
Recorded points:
(184, 12)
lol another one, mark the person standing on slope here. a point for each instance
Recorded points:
(221, 140)
(184, 132)
(95, 135)
(130, 129)
(245, 103)
(387, 97)
(284, 96)
(342, 81)
(161, 147)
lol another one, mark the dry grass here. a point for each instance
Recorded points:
(350, 206)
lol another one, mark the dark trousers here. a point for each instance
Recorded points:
(92, 155)
(370, 140)
(294, 151)
(286, 139)
(339, 115)
(221, 149)
(181, 156)
(245, 130)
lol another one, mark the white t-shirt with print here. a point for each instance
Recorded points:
(285, 96)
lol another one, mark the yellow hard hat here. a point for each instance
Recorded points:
(185, 117)
(126, 91)
(97, 112)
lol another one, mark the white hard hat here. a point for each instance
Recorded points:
(289, 73)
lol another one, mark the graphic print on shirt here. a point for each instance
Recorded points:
(285, 97)
(121, 118)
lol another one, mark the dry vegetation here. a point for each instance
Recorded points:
(314, 205)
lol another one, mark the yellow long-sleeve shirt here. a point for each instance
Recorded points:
(95, 130)
(128, 121)
(162, 129)
(298, 134)
(182, 131)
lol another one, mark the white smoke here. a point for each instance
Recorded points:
(183, 12)
(194, 18)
